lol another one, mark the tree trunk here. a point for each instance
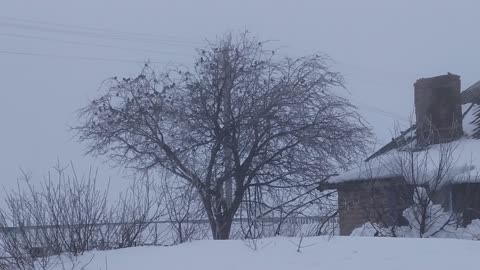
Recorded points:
(227, 118)
(223, 231)
(221, 228)
(220, 225)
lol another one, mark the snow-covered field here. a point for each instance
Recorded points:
(338, 253)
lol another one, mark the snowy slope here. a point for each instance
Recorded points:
(339, 253)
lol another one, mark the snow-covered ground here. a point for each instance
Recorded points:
(338, 253)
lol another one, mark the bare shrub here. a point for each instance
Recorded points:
(184, 210)
(59, 216)
(130, 219)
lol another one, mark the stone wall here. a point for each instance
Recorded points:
(466, 201)
(380, 201)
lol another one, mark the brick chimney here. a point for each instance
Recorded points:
(438, 109)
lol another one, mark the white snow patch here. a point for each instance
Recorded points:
(340, 253)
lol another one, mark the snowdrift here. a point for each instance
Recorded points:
(339, 253)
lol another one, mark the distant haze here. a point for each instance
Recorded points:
(49, 69)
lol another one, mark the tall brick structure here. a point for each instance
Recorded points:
(438, 109)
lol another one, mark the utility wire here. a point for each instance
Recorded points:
(90, 44)
(383, 112)
(98, 35)
(86, 58)
(107, 33)
(35, 22)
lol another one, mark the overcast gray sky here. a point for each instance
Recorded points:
(53, 56)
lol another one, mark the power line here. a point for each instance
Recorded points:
(148, 38)
(89, 44)
(86, 58)
(383, 112)
(98, 35)
(96, 29)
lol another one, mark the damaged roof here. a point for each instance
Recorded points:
(475, 122)
(472, 94)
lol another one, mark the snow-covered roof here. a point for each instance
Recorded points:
(464, 165)
(394, 159)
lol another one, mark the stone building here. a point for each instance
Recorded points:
(381, 188)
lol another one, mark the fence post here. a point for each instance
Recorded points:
(156, 234)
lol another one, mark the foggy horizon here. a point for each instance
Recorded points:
(55, 55)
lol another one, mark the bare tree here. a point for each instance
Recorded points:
(242, 116)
